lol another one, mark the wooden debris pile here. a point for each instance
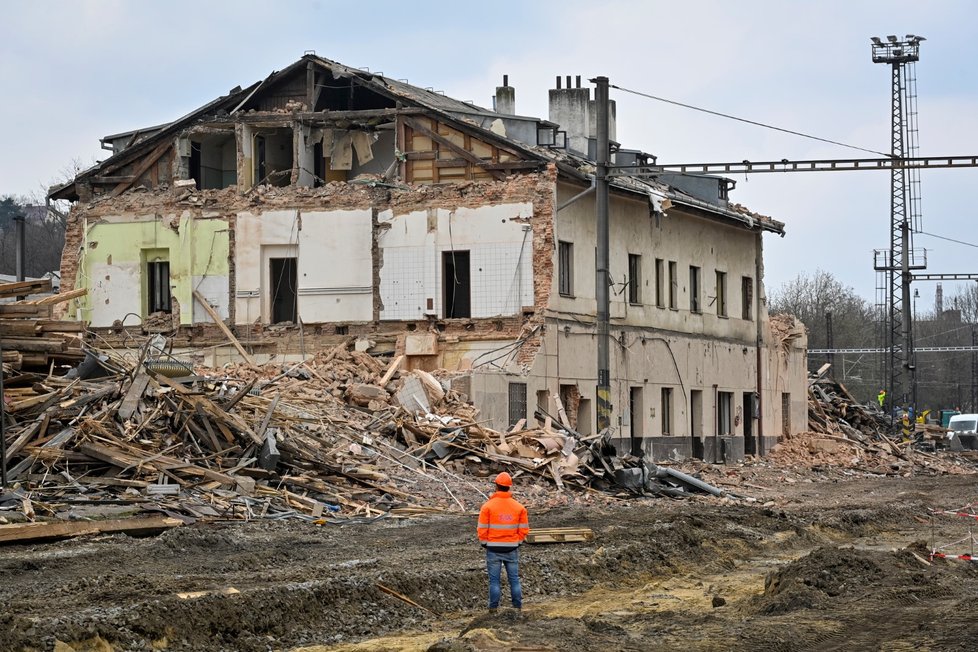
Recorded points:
(342, 434)
(30, 339)
(833, 411)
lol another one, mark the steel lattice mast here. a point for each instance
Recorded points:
(897, 263)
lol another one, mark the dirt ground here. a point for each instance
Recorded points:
(817, 562)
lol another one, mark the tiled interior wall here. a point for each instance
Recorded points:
(500, 258)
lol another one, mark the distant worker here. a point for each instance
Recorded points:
(503, 524)
(881, 397)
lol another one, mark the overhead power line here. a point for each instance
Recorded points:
(750, 122)
(941, 237)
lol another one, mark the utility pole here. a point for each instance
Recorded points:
(602, 288)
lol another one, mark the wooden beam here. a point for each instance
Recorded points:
(23, 288)
(224, 329)
(24, 310)
(61, 297)
(445, 142)
(23, 532)
(145, 165)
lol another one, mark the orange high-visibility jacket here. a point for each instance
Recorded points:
(503, 523)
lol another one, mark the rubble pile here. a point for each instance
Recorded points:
(833, 411)
(341, 434)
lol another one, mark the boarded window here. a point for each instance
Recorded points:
(565, 268)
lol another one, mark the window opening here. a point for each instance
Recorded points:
(694, 289)
(517, 403)
(673, 286)
(747, 293)
(721, 294)
(660, 300)
(725, 413)
(666, 410)
(634, 278)
(565, 268)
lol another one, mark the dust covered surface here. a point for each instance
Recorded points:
(815, 565)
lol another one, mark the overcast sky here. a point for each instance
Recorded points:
(76, 70)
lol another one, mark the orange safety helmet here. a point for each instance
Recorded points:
(504, 480)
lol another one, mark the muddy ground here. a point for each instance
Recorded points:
(821, 563)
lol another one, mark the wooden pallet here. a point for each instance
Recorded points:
(560, 535)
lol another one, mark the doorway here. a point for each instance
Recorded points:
(283, 274)
(750, 413)
(696, 423)
(456, 284)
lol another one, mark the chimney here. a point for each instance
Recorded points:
(505, 100)
(570, 108)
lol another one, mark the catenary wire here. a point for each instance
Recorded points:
(751, 122)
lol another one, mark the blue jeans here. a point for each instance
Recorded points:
(494, 563)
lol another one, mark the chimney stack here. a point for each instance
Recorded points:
(574, 110)
(505, 100)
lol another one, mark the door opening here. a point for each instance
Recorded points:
(456, 282)
(284, 281)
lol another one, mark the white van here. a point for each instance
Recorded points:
(963, 431)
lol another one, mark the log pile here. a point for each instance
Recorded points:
(30, 339)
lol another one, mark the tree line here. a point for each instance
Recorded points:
(829, 308)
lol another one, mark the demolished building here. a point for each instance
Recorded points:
(327, 202)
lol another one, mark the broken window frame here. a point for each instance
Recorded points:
(517, 403)
(565, 268)
(635, 279)
(747, 298)
(660, 299)
(721, 292)
(673, 286)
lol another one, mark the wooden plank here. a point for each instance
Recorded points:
(23, 288)
(38, 344)
(145, 165)
(560, 535)
(24, 532)
(133, 395)
(461, 151)
(224, 329)
(24, 310)
(391, 370)
(62, 297)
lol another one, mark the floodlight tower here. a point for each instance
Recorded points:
(895, 264)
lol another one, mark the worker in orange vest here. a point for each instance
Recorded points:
(503, 524)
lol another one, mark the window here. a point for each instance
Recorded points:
(660, 299)
(673, 286)
(456, 285)
(725, 413)
(158, 286)
(694, 289)
(565, 268)
(273, 157)
(747, 295)
(517, 403)
(666, 410)
(721, 294)
(634, 278)
(785, 413)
